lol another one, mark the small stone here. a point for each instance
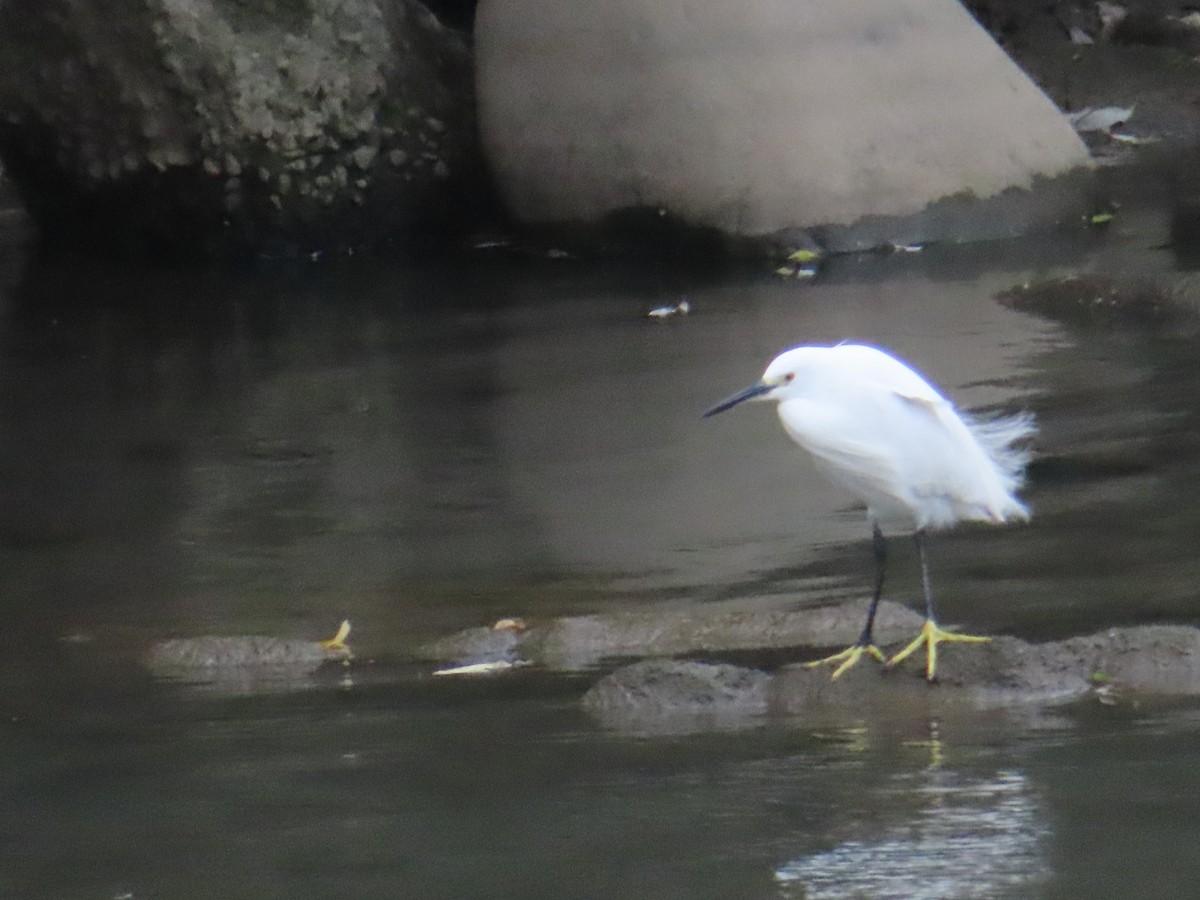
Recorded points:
(441, 170)
(397, 157)
(435, 125)
(232, 165)
(210, 166)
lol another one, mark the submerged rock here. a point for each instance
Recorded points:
(249, 657)
(659, 693)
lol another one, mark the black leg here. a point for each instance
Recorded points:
(930, 612)
(879, 545)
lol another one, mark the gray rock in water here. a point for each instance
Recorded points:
(751, 623)
(203, 128)
(498, 643)
(1006, 676)
(245, 661)
(221, 652)
(665, 694)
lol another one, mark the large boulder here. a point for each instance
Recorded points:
(213, 125)
(757, 116)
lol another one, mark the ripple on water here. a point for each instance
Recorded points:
(973, 837)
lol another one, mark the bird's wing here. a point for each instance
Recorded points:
(932, 406)
(856, 462)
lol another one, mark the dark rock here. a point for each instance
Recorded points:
(1103, 301)
(1002, 672)
(665, 694)
(1152, 660)
(227, 652)
(196, 128)
(245, 663)
(1006, 676)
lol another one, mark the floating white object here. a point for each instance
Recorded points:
(1103, 118)
(483, 668)
(682, 308)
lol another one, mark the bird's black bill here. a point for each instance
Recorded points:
(755, 390)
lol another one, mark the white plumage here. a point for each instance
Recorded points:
(880, 430)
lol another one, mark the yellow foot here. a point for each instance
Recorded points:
(338, 641)
(931, 635)
(846, 658)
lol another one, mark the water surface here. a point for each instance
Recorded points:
(423, 448)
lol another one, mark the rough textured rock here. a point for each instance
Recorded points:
(1162, 305)
(245, 663)
(754, 117)
(1006, 675)
(198, 127)
(745, 624)
(1161, 660)
(226, 652)
(662, 694)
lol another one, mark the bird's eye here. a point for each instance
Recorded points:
(789, 377)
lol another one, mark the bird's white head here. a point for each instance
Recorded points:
(774, 385)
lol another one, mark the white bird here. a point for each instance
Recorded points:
(880, 430)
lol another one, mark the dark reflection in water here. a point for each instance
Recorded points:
(426, 448)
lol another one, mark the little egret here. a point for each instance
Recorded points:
(877, 428)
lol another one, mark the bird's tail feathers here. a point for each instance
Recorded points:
(1005, 440)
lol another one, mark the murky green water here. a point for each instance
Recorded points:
(427, 448)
